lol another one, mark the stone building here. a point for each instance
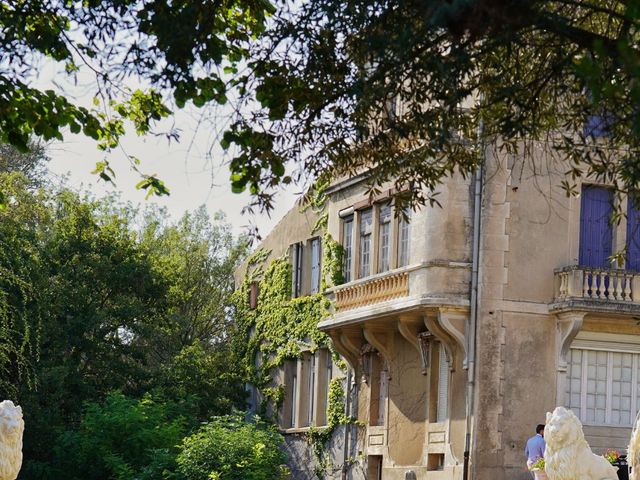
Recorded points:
(462, 325)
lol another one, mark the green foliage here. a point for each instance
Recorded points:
(21, 280)
(229, 448)
(90, 304)
(332, 260)
(206, 377)
(279, 326)
(399, 91)
(176, 53)
(120, 440)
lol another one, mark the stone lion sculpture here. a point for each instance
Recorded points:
(568, 456)
(11, 429)
(633, 457)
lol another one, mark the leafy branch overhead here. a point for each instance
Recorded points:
(172, 49)
(334, 88)
(401, 88)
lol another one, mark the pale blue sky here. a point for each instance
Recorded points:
(194, 173)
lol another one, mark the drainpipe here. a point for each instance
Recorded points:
(473, 307)
(347, 412)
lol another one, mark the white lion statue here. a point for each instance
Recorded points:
(633, 452)
(567, 455)
(11, 428)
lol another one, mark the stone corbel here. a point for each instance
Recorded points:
(347, 345)
(569, 324)
(448, 326)
(381, 341)
(410, 329)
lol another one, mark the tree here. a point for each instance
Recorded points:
(411, 90)
(122, 439)
(31, 164)
(91, 304)
(197, 258)
(173, 50)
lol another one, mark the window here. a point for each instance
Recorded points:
(377, 244)
(596, 232)
(403, 239)
(384, 237)
(315, 265)
(306, 382)
(296, 273)
(347, 239)
(379, 383)
(329, 376)
(366, 226)
(602, 387)
(291, 395)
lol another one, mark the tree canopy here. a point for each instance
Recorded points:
(173, 52)
(93, 302)
(397, 88)
(410, 90)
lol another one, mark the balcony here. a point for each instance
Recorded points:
(596, 289)
(372, 290)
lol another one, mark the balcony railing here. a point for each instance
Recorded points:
(372, 290)
(598, 284)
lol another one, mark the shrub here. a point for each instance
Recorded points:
(122, 439)
(230, 448)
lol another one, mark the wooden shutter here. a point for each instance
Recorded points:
(315, 265)
(443, 385)
(596, 233)
(633, 236)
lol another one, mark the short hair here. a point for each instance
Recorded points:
(539, 428)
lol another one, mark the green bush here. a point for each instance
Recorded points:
(122, 439)
(229, 448)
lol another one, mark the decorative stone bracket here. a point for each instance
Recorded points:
(568, 326)
(382, 340)
(348, 343)
(413, 331)
(448, 326)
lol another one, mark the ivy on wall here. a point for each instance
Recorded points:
(280, 328)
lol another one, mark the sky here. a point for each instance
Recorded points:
(194, 172)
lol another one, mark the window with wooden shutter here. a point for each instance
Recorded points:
(403, 239)
(602, 386)
(443, 385)
(315, 265)
(296, 269)
(633, 234)
(596, 233)
(384, 237)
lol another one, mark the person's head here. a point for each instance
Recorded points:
(540, 429)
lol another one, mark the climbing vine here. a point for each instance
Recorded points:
(280, 328)
(332, 258)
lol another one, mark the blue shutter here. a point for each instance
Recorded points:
(633, 236)
(596, 233)
(598, 125)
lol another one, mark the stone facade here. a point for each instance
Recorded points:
(436, 365)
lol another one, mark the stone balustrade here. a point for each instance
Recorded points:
(597, 283)
(369, 291)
